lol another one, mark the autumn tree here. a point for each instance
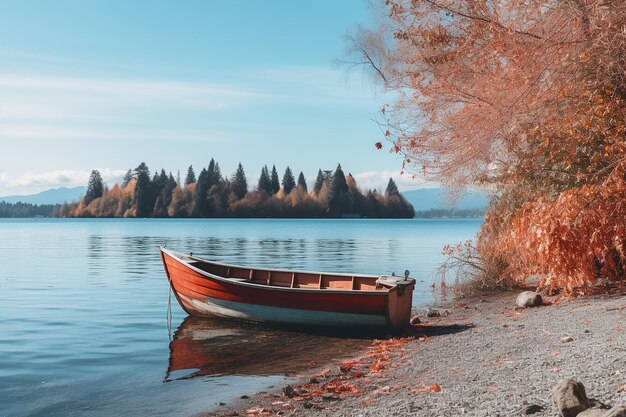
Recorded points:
(289, 182)
(302, 183)
(526, 100)
(182, 201)
(95, 187)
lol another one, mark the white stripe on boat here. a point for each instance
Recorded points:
(263, 313)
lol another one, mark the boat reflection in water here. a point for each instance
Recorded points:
(207, 347)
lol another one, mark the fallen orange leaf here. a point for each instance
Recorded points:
(428, 388)
(257, 410)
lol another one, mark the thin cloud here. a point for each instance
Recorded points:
(378, 180)
(41, 107)
(317, 86)
(31, 182)
(148, 90)
(29, 131)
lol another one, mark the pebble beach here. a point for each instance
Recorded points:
(481, 357)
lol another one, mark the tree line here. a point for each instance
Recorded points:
(210, 194)
(19, 209)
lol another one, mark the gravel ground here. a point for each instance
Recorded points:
(488, 360)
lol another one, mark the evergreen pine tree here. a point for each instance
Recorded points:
(200, 198)
(163, 178)
(191, 176)
(338, 181)
(127, 177)
(265, 183)
(240, 184)
(211, 173)
(319, 181)
(392, 189)
(216, 177)
(337, 201)
(289, 183)
(95, 187)
(395, 203)
(163, 187)
(143, 191)
(166, 194)
(159, 182)
(302, 183)
(274, 180)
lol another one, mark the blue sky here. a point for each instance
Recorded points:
(109, 84)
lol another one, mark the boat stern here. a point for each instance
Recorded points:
(400, 301)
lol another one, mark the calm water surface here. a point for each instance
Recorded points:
(83, 308)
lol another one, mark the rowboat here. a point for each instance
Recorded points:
(317, 299)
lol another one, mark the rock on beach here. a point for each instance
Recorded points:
(528, 299)
(570, 397)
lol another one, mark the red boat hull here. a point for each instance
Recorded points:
(201, 293)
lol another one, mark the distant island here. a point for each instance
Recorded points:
(334, 195)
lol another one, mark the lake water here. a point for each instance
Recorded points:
(83, 308)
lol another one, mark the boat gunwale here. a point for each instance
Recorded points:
(383, 292)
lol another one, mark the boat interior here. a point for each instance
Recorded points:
(288, 279)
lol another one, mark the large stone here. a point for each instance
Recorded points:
(617, 411)
(570, 397)
(528, 299)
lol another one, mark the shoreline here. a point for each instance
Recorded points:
(484, 359)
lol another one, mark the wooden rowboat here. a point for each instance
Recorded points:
(205, 288)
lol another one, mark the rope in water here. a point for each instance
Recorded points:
(169, 312)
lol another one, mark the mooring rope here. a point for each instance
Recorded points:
(169, 311)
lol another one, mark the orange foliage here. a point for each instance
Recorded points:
(478, 82)
(526, 99)
(429, 388)
(574, 242)
(116, 202)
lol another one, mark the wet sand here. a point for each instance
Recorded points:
(484, 359)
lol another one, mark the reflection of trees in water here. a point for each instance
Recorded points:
(334, 255)
(96, 255)
(135, 258)
(95, 246)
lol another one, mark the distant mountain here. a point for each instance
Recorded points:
(426, 199)
(53, 196)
